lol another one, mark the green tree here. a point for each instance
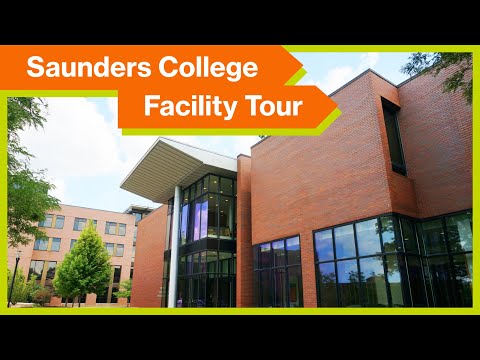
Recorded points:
(126, 285)
(86, 268)
(27, 195)
(22, 290)
(433, 63)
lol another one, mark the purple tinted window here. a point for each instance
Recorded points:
(184, 228)
(204, 217)
(196, 230)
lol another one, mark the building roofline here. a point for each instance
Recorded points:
(409, 79)
(358, 77)
(140, 207)
(90, 208)
(243, 155)
(150, 213)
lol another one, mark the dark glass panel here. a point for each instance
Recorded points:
(293, 250)
(265, 288)
(203, 262)
(181, 293)
(372, 278)
(327, 285)
(417, 284)
(348, 290)
(189, 265)
(184, 225)
(390, 242)
(167, 234)
(185, 196)
(114, 299)
(224, 291)
(202, 283)
(213, 215)
(191, 222)
(213, 184)
(280, 290)
(198, 191)
(434, 237)
(226, 186)
(368, 239)
(395, 280)
(204, 218)
(344, 242)
(55, 244)
(196, 263)
(59, 222)
(256, 258)
(196, 227)
(324, 245)
(463, 278)
(212, 290)
(226, 217)
(72, 243)
(256, 289)
(117, 272)
(265, 256)
(459, 231)
(211, 261)
(182, 265)
(393, 137)
(278, 253)
(295, 286)
(441, 281)
(224, 261)
(102, 296)
(409, 238)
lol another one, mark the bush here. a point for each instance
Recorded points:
(42, 297)
(20, 291)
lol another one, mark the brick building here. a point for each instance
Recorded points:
(377, 211)
(118, 231)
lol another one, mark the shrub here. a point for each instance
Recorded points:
(42, 296)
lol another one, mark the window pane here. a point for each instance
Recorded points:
(327, 285)
(110, 228)
(181, 265)
(51, 270)
(212, 261)
(109, 248)
(463, 277)
(138, 217)
(278, 253)
(265, 256)
(59, 222)
(72, 243)
(189, 265)
(79, 224)
(117, 273)
(395, 281)
(122, 229)
(293, 250)
(417, 285)
(265, 288)
(393, 136)
(441, 281)
(213, 184)
(198, 191)
(135, 230)
(191, 222)
(390, 243)
(196, 229)
(409, 239)
(280, 293)
(120, 250)
(226, 186)
(185, 197)
(224, 260)
(459, 230)
(433, 237)
(344, 242)
(212, 215)
(368, 240)
(41, 244)
(55, 244)
(324, 245)
(36, 268)
(226, 217)
(47, 222)
(196, 263)
(184, 225)
(204, 218)
(348, 283)
(372, 278)
(203, 262)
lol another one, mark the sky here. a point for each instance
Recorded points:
(86, 157)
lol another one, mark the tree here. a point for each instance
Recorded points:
(27, 195)
(86, 268)
(22, 291)
(127, 290)
(433, 63)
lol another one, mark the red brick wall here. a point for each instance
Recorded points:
(244, 234)
(436, 130)
(147, 277)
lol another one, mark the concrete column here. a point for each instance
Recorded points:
(172, 288)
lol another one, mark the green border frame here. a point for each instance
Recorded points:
(475, 49)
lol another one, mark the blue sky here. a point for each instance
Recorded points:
(86, 156)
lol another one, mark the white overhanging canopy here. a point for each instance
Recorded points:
(169, 163)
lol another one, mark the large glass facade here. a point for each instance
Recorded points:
(396, 261)
(277, 274)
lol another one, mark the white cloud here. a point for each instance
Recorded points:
(338, 76)
(60, 190)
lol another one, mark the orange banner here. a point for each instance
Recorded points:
(188, 87)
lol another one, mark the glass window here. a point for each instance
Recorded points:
(265, 288)
(293, 250)
(186, 194)
(440, 281)
(135, 230)
(189, 265)
(55, 244)
(213, 184)
(203, 262)
(213, 215)
(204, 218)
(134, 249)
(368, 239)
(372, 279)
(433, 237)
(459, 231)
(36, 268)
(224, 262)
(72, 243)
(416, 280)
(47, 222)
(117, 272)
(265, 256)
(184, 225)
(212, 261)
(51, 270)
(196, 263)
(181, 265)
(226, 186)
(279, 288)
(110, 228)
(463, 278)
(344, 242)
(327, 284)
(94, 224)
(324, 245)
(390, 243)
(79, 224)
(122, 229)
(395, 281)
(348, 291)
(394, 142)
(196, 229)
(278, 253)
(41, 244)
(198, 191)
(138, 217)
(409, 238)
(226, 217)
(59, 222)
(119, 251)
(109, 248)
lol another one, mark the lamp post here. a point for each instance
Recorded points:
(17, 258)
